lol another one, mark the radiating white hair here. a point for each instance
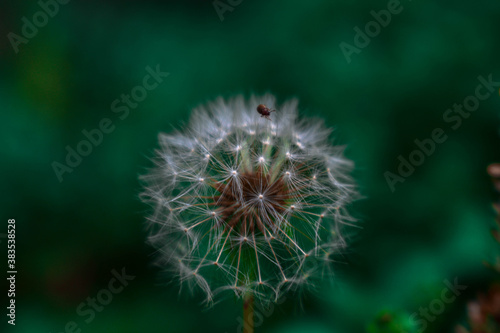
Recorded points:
(246, 204)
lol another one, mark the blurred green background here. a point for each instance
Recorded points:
(72, 234)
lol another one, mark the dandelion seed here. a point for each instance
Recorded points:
(261, 213)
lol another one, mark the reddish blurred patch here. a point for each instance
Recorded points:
(70, 282)
(494, 172)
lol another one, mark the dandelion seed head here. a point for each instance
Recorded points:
(242, 205)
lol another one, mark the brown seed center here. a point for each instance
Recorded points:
(251, 200)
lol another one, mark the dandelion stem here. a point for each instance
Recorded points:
(248, 309)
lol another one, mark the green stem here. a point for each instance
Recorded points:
(248, 313)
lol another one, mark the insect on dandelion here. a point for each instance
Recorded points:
(264, 111)
(247, 206)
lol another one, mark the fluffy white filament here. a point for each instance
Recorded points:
(245, 204)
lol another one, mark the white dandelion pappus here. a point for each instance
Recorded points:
(248, 205)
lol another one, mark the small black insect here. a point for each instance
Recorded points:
(264, 111)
